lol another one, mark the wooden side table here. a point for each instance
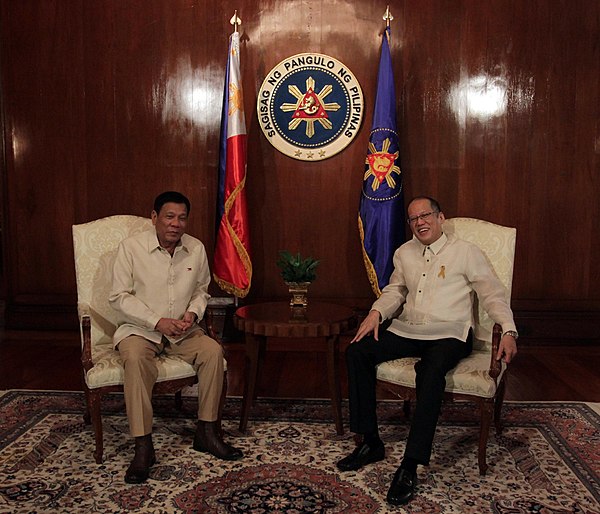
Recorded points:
(278, 319)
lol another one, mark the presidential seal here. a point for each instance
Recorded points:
(310, 106)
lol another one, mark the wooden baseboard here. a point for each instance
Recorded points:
(558, 327)
(561, 327)
(41, 317)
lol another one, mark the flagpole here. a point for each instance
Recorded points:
(381, 208)
(387, 17)
(232, 263)
(235, 21)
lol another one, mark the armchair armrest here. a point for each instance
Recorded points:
(209, 324)
(495, 365)
(86, 346)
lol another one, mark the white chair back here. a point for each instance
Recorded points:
(498, 244)
(95, 246)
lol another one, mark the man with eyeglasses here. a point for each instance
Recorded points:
(431, 287)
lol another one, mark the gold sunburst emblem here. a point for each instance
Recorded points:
(236, 100)
(381, 165)
(310, 107)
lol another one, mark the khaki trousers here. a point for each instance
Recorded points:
(139, 359)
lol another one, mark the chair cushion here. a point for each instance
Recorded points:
(108, 370)
(471, 376)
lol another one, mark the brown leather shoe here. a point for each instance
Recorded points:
(144, 458)
(208, 440)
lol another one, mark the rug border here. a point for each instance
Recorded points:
(570, 453)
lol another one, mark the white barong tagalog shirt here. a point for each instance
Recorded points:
(148, 284)
(435, 286)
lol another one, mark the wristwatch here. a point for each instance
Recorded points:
(513, 333)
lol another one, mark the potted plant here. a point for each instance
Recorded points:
(298, 273)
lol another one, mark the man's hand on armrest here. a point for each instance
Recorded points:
(507, 349)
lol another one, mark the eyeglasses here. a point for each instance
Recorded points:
(424, 217)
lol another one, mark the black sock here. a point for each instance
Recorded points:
(372, 439)
(409, 465)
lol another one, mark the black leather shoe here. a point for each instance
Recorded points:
(363, 454)
(403, 486)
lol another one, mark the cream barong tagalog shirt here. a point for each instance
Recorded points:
(433, 289)
(148, 284)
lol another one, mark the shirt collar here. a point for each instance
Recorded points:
(436, 246)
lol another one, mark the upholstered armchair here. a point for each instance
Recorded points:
(479, 378)
(95, 246)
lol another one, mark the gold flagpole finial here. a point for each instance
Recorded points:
(388, 16)
(235, 21)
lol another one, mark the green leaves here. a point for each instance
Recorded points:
(296, 269)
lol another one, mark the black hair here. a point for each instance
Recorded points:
(435, 205)
(170, 196)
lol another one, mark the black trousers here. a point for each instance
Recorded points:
(437, 357)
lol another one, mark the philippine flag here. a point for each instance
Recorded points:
(232, 268)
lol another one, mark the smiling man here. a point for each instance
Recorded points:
(431, 289)
(159, 289)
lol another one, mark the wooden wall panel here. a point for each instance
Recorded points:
(107, 103)
(42, 71)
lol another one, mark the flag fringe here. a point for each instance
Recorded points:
(230, 288)
(239, 246)
(368, 264)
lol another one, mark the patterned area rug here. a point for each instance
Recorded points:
(547, 460)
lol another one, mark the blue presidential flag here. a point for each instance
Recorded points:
(381, 212)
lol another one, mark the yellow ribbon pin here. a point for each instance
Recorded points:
(442, 272)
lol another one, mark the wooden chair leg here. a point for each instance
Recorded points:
(498, 406)
(178, 400)
(94, 408)
(406, 408)
(222, 405)
(486, 408)
(87, 418)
